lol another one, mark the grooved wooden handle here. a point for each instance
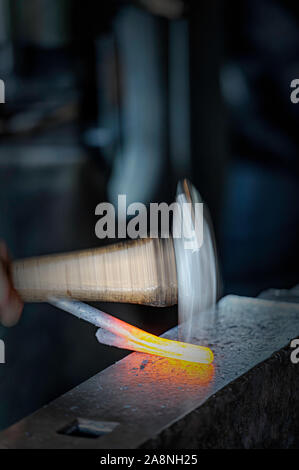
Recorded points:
(142, 272)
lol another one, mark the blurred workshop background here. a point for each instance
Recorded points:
(126, 97)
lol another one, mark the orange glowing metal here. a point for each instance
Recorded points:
(115, 332)
(137, 340)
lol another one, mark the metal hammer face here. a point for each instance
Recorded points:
(196, 261)
(150, 271)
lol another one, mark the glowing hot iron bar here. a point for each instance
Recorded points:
(115, 332)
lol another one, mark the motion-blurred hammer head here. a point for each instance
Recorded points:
(196, 259)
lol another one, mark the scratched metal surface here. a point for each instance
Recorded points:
(146, 394)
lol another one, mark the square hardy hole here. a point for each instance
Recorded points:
(88, 428)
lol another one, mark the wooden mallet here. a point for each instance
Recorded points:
(159, 272)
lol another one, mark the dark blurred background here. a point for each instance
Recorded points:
(119, 97)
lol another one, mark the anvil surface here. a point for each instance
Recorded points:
(146, 395)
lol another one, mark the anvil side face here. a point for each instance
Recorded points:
(140, 398)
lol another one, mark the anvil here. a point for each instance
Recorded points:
(247, 398)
